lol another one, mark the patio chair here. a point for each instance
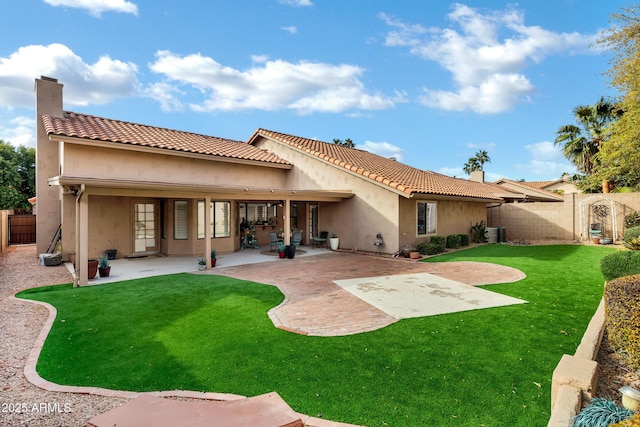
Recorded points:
(296, 239)
(321, 239)
(274, 241)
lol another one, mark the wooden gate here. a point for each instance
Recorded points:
(22, 229)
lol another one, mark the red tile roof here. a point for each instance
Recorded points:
(389, 172)
(101, 129)
(536, 186)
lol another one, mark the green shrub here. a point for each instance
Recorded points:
(620, 264)
(622, 318)
(464, 239)
(428, 249)
(453, 241)
(632, 238)
(439, 241)
(601, 413)
(632, 220)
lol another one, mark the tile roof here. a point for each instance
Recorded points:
(536, 186)
(107, 130)
(389, 172)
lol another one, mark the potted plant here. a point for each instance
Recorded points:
(104, 267)
(202, 264)
(92, 268)
(281, 250)
(334, 242)
(213, 258)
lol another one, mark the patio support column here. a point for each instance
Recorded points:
(82, 239)
(207, 230)
(287, 222)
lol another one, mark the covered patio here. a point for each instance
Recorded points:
(155, 265)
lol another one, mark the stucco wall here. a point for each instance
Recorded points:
(452, 217)
(101, 162)
(111, 224)
(568, 220)
(357, 220)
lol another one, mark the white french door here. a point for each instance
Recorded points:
(145, 227)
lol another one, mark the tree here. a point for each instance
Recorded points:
(346, 143)
(620, 155)
(476, 163)
(17, 176)
(581, 143)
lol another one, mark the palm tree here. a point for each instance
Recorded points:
(346, 143)
(483, 157)
(581, 143)
(476, 163)
(472, 165)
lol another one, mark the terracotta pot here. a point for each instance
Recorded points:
(596, 240)
(92, 268)
(414, 255)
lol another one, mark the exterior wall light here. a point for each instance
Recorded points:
(378, 240)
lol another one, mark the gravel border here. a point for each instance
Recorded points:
(22, 403)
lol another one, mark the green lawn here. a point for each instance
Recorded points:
(487, 367)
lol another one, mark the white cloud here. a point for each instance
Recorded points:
(166, 95)
(84, 83)
(20, 131)
(486, 54)
(291, 29)
(383, 149)
(305, 87)
(547, 161)
(482, 146)
(404, 34)
(97, 7)
(296, 3)
(544, 150)
(455, 172)
(259, 59)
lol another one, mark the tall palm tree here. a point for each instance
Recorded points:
(483, 157)
(476, 163)
(581, 144)
(472, 165)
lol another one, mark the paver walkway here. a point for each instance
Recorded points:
(314, 305)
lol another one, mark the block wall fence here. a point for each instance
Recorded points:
(568, 220)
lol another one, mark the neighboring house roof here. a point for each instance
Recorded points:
(532, 189)
(389, 172)
(539, 184)
(133, 134)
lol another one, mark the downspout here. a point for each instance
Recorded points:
(76, 279)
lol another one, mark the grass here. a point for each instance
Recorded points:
(487, 367)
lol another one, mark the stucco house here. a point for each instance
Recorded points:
(146, 190)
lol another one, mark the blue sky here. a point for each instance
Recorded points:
(428, 82)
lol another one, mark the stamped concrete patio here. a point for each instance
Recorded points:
(315, 305)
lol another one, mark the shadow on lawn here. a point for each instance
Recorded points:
(499, 250)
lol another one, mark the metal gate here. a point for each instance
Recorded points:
(22, 229)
